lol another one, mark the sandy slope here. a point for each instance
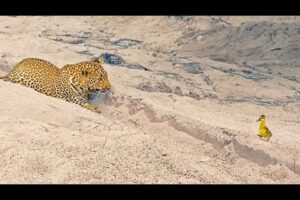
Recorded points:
(186, 119)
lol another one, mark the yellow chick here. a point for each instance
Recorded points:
(263, 130)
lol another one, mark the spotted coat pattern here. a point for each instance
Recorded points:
(73, 82)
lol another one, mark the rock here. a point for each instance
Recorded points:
(204, 159)
(112, 59)
(125, 42)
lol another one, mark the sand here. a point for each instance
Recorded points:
(180, 110)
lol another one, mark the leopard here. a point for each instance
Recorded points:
(72, 82)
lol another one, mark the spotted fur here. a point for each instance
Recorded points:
(73, 82)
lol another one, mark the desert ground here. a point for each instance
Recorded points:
(186, 94)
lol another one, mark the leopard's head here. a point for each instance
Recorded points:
(90, 77)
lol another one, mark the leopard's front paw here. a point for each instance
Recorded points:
(90, 107)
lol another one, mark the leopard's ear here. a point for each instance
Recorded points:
(85, 72)
(100, 61)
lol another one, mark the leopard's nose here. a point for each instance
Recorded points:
(106, 89)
